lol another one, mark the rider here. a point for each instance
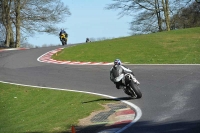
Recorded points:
(62, 31)
(87, 40)
(117, 70)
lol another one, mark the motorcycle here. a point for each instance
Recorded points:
(63, 39)
(129, 85)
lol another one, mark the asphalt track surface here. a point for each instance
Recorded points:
(170, 102)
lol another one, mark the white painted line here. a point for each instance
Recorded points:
(9, 49)
(136, 108)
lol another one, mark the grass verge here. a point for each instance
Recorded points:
(28, 109)
(173, 47)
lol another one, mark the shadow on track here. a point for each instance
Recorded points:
(144, 127)
(172, 127)
(110, 99)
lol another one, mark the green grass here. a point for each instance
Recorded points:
(27, 109)
(174, 47)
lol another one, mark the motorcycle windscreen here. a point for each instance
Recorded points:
(120, 77)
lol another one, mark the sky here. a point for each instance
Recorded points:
(88, 19)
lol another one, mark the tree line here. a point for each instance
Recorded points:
(21, 18)
(27, 17)
(158, 15)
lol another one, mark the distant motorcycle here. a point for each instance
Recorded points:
(63, 39)
(87, 40)
(130, 87)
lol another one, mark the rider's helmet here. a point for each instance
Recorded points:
(117, 62)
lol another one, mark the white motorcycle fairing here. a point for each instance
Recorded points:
(120, 77)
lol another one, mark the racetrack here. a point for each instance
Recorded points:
(170, 101)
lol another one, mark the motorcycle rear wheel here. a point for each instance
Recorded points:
(135, 90)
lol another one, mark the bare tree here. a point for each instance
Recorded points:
(43, 15)
(187, 17)
(165, 4)
(31, 16)
(148, 15)
(158, 15)
(2, 29)
(5, 14)
(17, 5)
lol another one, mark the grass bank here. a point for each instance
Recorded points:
(173, 47)
(27, 109)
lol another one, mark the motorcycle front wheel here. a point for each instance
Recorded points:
(135, 90)
(63, 42)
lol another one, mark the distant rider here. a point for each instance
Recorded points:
(62, 31)
(117, 70)
(87, 40)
